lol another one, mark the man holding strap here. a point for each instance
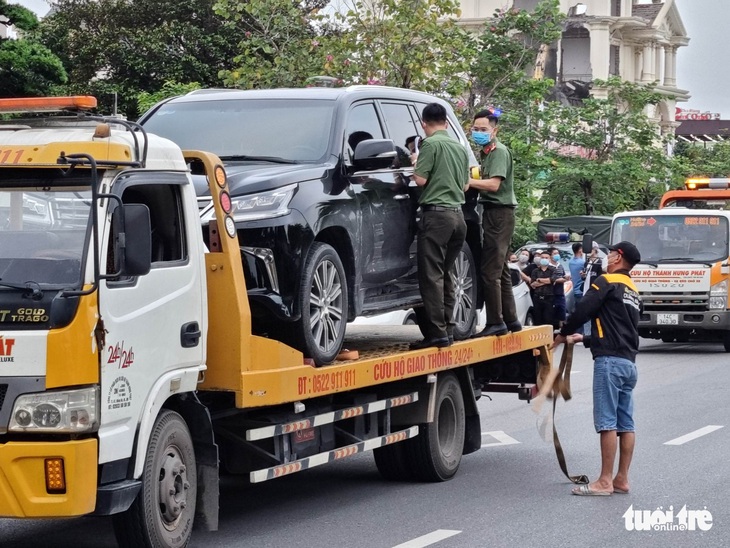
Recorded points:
(613, 305)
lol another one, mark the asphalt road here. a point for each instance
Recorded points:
(511, 493)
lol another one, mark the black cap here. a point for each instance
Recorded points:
(628, 251)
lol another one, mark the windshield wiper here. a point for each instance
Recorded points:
(682, 260)
(243, 157)
(32, 289)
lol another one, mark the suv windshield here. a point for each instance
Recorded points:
(686, 238)
(42, 236)
(257, 129)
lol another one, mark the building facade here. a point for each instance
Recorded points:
(636, 40)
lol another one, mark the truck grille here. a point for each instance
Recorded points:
(697, 301)
(3, 391)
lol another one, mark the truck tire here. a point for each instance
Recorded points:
(162, 514)
(323, 301)
(464, 274)
(435, 454)
(726, 341)
(392, 462)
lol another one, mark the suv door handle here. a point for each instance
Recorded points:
(190, 335)
(402, 197)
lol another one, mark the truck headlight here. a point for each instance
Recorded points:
(252, 207)
(718, 295)
(67, 411)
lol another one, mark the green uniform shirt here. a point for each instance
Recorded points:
(444, 163)
(498, 163)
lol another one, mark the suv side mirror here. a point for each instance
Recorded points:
(374, 154)
(132, 239)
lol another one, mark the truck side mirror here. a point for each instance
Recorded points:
(587, 243)
(132, 239)
(374, 154)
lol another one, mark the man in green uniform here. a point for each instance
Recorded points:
(497, 196)
(442, 169)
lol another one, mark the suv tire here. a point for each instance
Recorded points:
(323, 300)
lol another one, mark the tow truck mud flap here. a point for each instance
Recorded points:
(23, 491)
(292, 467)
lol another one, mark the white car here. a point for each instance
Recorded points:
(520, 289)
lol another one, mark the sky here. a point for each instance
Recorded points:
(701, 66)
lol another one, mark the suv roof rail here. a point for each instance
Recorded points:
(209, 90)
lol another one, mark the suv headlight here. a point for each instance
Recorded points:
(252, 207)
(718, 295)
(67, 411)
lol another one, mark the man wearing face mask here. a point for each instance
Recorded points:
(542, 279)
(497, 196)
(559, 303)
(613, 306)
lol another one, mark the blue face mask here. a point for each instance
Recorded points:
(481, 138)
(556, 258)
(544, 262)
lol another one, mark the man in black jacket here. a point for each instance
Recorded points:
(613, 306)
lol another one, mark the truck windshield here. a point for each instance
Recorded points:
(689, 238)
(42, 236)
(278, 130)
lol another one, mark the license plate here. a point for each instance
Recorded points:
(667, 319)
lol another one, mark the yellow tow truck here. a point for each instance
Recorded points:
(129, 375)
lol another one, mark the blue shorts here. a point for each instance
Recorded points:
(614, 380)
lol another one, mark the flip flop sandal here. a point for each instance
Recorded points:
(585, 491)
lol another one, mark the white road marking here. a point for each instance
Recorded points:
(501, 437)
(692, 435)
(428, 540)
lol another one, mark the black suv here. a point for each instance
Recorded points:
(325, 208)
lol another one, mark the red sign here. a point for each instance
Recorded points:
(688, 114)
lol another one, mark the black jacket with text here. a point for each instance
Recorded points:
(613, 306)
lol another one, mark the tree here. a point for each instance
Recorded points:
(701, 160)
(124, 47)
(606, 155)
(512, 49)
(27, 68)
(280, 44)
(409, 44)
(146, 100)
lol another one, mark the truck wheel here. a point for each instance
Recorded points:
(435, 454)
(323, 300)
(162, 514)
(465, 286)
(392, 462)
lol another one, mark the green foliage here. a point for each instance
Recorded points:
(146, 101)
(413, 44)
(280, 44)
(700, 160)
(27, 68)
(606, 155)
(119, 48)
(408, 44)
(509, 55)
